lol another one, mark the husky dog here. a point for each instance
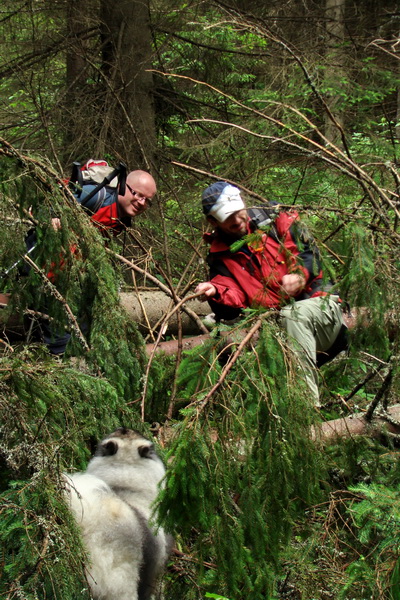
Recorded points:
(112, 503)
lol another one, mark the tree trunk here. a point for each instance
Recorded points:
(128, 124)
(77, 67)
(335, 67)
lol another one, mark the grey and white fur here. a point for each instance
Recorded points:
(112, 503)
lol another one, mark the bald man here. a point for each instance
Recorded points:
(116, 216)
(111, 213)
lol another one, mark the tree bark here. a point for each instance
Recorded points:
(147, 308)
(77, 23)
(356, 424)
(335, 67)
(129, 120)
(79, 18)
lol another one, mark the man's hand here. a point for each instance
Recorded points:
(208, 290)
(56, 223)
(293, 284)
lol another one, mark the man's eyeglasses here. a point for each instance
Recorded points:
(138, 196)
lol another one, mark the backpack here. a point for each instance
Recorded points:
(96, 184)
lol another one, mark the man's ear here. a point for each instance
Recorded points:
(212, 221)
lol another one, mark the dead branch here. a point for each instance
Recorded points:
(162, 287)
(381, 393)
(327, 151)
(160, 333)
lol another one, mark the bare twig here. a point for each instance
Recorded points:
(144, 313)
(382, 392)
(160, 333)
(8, 347)
(362, 383)
(325, 151)
(160, 285)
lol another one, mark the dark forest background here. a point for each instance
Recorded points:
(295, 102)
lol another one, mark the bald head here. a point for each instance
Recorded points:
(140, 189)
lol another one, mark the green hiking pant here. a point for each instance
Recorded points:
(312, 326)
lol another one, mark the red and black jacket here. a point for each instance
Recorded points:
(108, 219)
(252, 276)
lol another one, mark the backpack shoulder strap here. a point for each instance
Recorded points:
(263, 216)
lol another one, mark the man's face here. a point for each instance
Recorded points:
(236, 224)
(138, 194)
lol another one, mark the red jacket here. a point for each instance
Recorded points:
(252, 276)
(107, 218)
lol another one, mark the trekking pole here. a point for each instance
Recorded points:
(5, 273)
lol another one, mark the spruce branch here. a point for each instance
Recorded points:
(39, 167)
(40, 171)
(52, 290)
(200, 405)
(160, 333)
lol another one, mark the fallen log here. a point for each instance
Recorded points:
(170, 347)
(147, 308)
(326, 432)
(357, 424)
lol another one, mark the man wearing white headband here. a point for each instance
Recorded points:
(280, 267)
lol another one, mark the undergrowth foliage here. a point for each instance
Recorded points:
(83, 292)
(377, 519)
(243, 465)
(48, 412)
